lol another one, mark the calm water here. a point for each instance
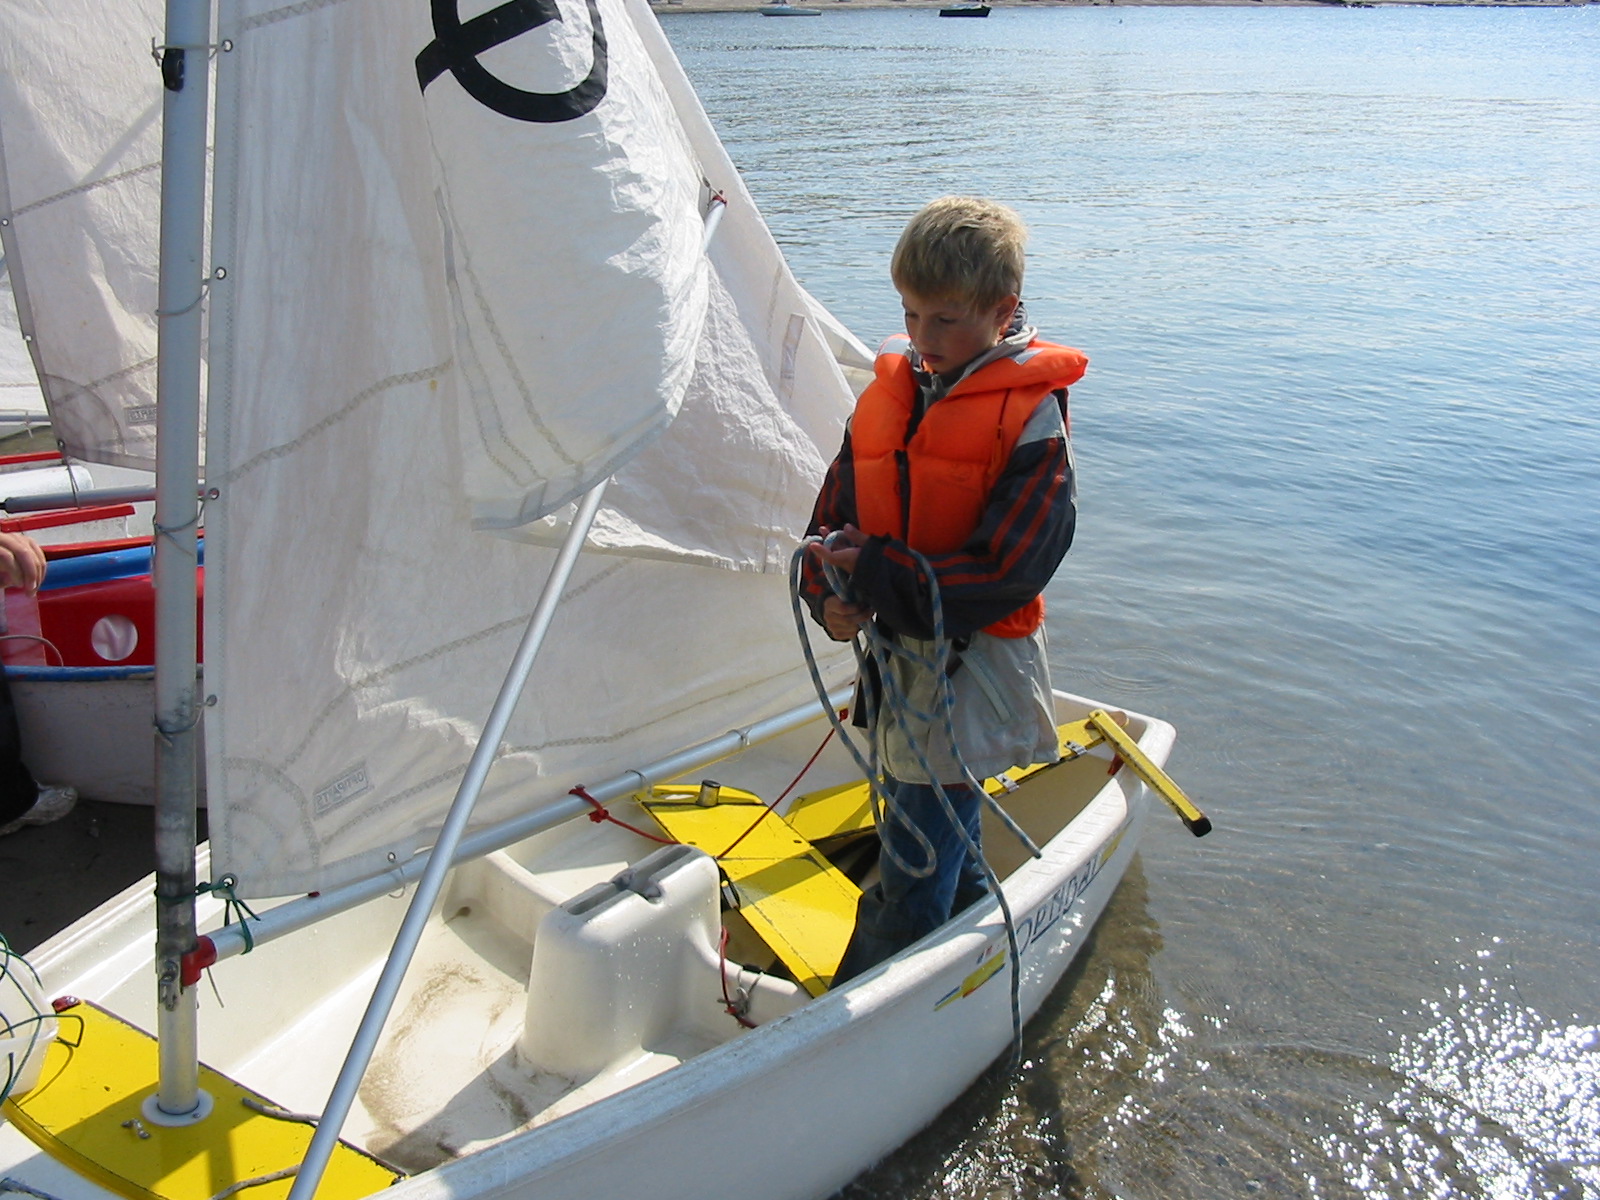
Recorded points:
(1339, 276)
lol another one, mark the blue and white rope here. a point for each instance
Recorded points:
(871, 643)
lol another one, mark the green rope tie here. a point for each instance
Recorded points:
(233, 908)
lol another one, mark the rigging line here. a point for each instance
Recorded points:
(166, 733)
(257, 1181)
(61, 659)
(11, 1028)
(738, 1005)
(768, 810)
(157, 50)
(602, 813)
(899, 707)
(7, 1184)
(167, 531)
(278, 1114)
(232, 906)
(205, 286)
(867, 763)
(9, 956)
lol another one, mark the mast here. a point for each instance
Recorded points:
(185, 69)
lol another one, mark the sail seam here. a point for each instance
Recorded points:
(562, 743)
(473, 374)
(333, 418)
(82, 188)
(505, 750)
(365, 815)
(377, 677)
(530, 409)
(287, 13)
(310, 846)
(119, 373)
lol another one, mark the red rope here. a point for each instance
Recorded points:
(600, 814)
(768, 809)
(604, 815)
(727, 1002)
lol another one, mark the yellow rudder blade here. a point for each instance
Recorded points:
(86, 1113)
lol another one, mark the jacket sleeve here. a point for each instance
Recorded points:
(1026, 529)
(835, 508)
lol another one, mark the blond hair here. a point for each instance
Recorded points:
(961, 248)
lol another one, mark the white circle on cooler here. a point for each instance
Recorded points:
(114, 638)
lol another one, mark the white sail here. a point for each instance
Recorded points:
(19, 383)
(80, 134)
(745, 513)
(438, 317)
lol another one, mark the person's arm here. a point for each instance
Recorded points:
(1026, 529)
(22, 562)
(835, 509)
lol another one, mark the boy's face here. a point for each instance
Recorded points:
(948, 335)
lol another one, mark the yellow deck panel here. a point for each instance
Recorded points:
(797, 901)
(85, 1112)
(831, 812)
(837, 811)
(793, 897)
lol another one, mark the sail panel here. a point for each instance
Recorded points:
(573, 247)
(789, 370)
(391, 372)
(730, 482)
(19, 382)
(80, 177)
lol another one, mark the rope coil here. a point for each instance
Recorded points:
(870, 645)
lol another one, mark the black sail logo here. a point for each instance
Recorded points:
(458, 43)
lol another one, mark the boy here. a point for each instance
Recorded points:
(958, 449)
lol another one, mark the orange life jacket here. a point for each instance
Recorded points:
(931, 491)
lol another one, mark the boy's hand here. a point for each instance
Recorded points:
(842, 619)
(21, 562)
(842, 557)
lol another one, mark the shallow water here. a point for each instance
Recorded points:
(1338, 273)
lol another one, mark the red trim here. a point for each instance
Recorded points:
(64, 516)
(197, 960)
(17, 460)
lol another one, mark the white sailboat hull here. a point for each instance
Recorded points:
(91, 729)
(800, 1111)
(795, 1108)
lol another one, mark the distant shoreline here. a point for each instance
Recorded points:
(664, 7)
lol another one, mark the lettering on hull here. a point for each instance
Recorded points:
(1036, 924)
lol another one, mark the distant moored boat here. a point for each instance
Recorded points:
(965, 10)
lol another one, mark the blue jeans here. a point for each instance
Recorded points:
(901, 908)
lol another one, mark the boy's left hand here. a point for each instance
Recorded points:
(842, 558)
